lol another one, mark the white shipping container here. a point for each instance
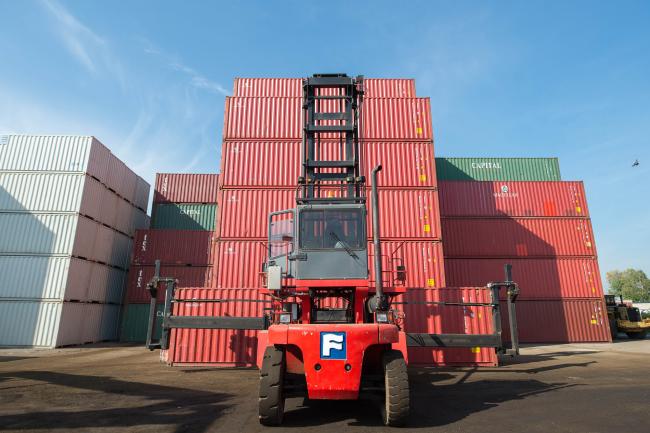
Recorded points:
(66, 192)
(62, 234)
(59, 278)
(73, 154)
(53, 324)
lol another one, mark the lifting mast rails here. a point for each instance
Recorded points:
(333, 330)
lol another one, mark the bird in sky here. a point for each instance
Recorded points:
(636, 163)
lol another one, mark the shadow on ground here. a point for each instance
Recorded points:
(187, 409)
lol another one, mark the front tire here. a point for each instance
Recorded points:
(636, 335)
(613, 328)
(271, 397)
(395, 410)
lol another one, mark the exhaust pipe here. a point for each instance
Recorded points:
(377, 302)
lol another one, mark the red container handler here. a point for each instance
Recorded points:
(374, 87)
(437, 319)
(513, 199)
(186, 188)
(281, 118)
(560, 321)
(173, 247)
(404, 213)
(277, 163)
(518, 237)
(140, 275)
(240, 261)
(548, 278)
(215, 347)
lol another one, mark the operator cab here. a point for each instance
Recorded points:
(319, 242)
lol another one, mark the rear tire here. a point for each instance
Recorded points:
(395, 411)
(271, 398)
(636, 335)
(613, 328)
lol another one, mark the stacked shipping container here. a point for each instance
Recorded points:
(259, 169)
(68, 212)
(181, 237)
(538, 224)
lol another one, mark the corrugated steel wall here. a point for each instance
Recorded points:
(186, 188)
(511, 169)
(405, 164)
(281, 118)
(173, 247)
(404, 214)
(183, 216)
(374, 88)
(68, 212)
(187, 276)
(518, 237)
(561, 321)
(547, 278)
(513, 199)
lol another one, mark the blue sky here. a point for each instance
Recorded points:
(148, 78)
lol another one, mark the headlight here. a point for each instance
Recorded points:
(381, 317)
(285, 318)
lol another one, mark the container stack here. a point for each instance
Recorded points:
(518, 211)
(260, 166)
(182, 229)
(68, 213)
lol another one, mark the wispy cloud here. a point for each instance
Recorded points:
(88, 48)
(78, 39)
(196, 79)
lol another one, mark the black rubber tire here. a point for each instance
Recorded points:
(636, 335)
(613, 328)
(271, 399)
(396, 407)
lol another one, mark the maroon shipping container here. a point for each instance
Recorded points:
(517, 237)
(239, 262)
(219, 347)
(187, 276)
(437, 319)
(374, 87)
(281, 118)
(405, 214)
(173, 247)
(513, 199)
(560, 321)
(277, 163)
(550, 278)
(186, 188)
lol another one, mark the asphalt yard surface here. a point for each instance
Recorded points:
(113, 388)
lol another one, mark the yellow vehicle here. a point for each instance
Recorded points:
(624, 318)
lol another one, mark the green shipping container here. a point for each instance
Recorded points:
(535, 169)
(135, 320)
(183, 216)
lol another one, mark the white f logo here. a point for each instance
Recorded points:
(332, 341)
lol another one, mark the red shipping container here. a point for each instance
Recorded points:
(240, 262)
(560, 321)
(502, 198)
(281, 118)
(405, 214)
(374, 87)
(550, 278)
(277, 163)
(187, 276)
(173, 247)
(518, 237)
(186, 188)
(438, 319)
(218, 347)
